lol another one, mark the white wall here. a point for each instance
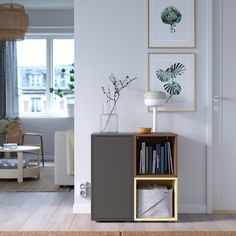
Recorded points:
(51, 20)
(111, 36)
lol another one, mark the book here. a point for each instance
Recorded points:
(154, 160)
(146, 160)
(142, 154)
(158, 153)
(162, 160)
(158, 164)
(143, 161)
(10, 145)
(150, 159)
(170, 158)
(143, 145)
(165, 158)
(140, 162)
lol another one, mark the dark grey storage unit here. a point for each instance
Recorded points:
(117, 175)
(112, 177)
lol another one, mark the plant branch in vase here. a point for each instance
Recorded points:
(113, 92)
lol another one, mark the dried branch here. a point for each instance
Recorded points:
(114, 94)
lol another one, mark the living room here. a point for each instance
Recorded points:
(113, 37)
(39, 110)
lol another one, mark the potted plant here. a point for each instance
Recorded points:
(68, 90)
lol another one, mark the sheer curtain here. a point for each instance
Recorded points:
(8, 80)
(2, 79)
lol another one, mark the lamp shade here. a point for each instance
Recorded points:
(154, 98)
(14, 22)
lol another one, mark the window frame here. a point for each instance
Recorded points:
(49, 37)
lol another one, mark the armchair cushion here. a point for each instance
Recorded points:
(10, 131)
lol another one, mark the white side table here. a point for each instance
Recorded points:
(30, 171)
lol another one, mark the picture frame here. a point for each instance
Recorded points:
(171, 23)
(174, 74)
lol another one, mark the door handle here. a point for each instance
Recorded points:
(217, 98)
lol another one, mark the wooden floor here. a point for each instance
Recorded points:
(52, 211)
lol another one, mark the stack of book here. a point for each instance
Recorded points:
(10, 145)
(156, 159)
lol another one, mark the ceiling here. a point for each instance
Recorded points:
(43, 4)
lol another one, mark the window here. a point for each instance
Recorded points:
(40, 63)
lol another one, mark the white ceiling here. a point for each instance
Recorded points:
(43, 4)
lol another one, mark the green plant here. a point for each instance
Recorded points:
(171, 16)
(70, 86)
(169, 75)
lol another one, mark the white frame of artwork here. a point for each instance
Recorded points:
(159, 33)
(186, 100)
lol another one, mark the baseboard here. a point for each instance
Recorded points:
(49, 157)
(82, 208)
(224, 212)
(192, 209)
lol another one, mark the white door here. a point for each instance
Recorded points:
(224, 105)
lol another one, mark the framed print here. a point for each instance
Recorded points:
(174, 74)
(171, 24)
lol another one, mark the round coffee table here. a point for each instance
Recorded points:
(20, 172)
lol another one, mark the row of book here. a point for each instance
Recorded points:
(155, 159)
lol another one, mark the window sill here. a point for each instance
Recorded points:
(44, 116)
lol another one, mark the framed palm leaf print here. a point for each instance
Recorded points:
(173, 73)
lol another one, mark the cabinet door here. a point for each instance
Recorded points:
(112, 177)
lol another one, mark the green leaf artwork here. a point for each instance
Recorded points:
(168, 77)
(171, 16)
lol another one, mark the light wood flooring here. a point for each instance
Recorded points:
(52, 211)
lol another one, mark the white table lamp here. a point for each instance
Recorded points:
(154, 99)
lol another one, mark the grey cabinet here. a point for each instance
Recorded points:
(117, 180)
(112, 177)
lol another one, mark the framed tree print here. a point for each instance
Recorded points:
(174, 74)
(171, 24)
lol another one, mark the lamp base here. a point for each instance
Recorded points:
(154, 119)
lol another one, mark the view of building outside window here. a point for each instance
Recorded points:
(40, 62)
(32, 75)
(62, 59)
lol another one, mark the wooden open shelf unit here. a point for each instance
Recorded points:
(167, 179)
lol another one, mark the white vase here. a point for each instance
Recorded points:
(70, 110)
